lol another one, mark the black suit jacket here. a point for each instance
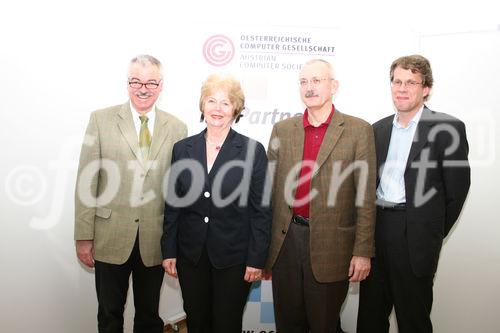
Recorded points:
(236, 232)
(437, 180)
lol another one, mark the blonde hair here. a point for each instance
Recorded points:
(227, 83)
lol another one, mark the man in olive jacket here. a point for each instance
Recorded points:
(119, 202)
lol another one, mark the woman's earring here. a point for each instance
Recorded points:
(240, 115)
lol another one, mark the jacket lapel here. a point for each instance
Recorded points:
(126, 125)
(160, 134)
(196, 150)
(229, 150)
(332, 135)
(383, 140)
(421, 135)
(297, 140)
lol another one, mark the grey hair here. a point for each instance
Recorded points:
(329, 65)
(145, 60)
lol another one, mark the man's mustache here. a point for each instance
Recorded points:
(311, 93)
(143, 94)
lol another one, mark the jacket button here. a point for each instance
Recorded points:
(207, 194)
(283, 231)
(136, 220)
(206, 219)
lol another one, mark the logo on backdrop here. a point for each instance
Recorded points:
(259, 312)
(218, 50)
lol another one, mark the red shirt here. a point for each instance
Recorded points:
(313, 137)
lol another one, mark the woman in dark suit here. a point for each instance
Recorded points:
(217, 225)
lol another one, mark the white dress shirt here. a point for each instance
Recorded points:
(137, 121)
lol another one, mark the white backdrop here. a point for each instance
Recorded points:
(59, 61)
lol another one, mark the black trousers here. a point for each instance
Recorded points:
(214, 299)
(112, 285)
(392, 283)
(302, 304)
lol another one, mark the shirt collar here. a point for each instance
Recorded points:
(151, 114)
(411, 123)
(306, 122)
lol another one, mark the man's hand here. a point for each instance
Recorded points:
(169, 267)
(267, 274)
(359, 268)
(84, 252)
(253, 274)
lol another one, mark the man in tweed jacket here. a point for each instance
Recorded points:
(323, 206)
(119, 203)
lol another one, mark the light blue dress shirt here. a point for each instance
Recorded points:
(392, 182)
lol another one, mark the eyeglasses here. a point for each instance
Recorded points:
(313, 82)
(406, 84)
(139, 85)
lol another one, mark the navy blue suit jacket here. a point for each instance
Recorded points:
(234, 232)
(437, 180)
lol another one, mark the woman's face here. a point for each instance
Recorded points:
(218, 109)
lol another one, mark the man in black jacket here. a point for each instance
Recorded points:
(422, 182)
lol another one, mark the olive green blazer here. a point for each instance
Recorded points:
(118, 194)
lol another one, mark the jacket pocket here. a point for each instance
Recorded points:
(103, 212)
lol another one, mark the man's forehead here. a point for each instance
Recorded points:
(144, 70)
(314, 69)
(400, 71)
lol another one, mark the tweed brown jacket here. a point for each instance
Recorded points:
(345, 171)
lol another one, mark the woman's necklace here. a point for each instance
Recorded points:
(215, 144)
